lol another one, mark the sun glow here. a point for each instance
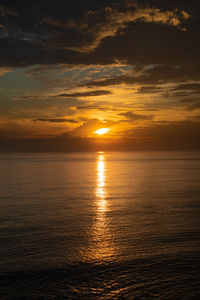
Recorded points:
(101, 131)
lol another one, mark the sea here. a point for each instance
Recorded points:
(103, 225)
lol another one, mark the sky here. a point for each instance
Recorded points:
(69, 68)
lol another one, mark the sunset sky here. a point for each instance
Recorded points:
(70, 68)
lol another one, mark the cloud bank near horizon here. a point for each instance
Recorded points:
(67, 68)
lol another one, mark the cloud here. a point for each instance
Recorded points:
(88, 127)
(67, 95)
(159, 74)
(28, 97)
(127, 79)
(179, 94)
(90, 107)
(98, 33)
(195, 118)
(84, 94)
(157, 136)
(194, 87)
(130, 116)
(4, 11)
(57, 120)
(4, 71)
(46, 107)
(98, 25)
(177, 132)
(149, 89)
(194, 106)
(194, 103)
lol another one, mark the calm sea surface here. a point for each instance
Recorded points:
(100, 226)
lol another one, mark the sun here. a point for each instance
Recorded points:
(101, 131)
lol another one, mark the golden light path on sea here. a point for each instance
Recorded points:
(100, 189)
(101, 246)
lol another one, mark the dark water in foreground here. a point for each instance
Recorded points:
(100, 226)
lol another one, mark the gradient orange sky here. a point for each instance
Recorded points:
(69, 69)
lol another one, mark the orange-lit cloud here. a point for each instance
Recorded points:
(71, 69)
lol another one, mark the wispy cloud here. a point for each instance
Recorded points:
(57, 120)
(83, 94)
(130, 116)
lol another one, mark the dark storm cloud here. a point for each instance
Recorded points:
(57, 120)
(83, 94)
(98, 32)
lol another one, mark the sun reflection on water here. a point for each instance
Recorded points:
(101, 246)
(100, 189)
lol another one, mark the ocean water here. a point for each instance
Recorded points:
(100, 226)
